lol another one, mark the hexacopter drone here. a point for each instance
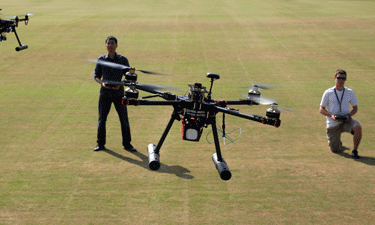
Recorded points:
(196, 111)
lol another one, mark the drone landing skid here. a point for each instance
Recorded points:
(20, 47)
(153, 151)
(154, 155)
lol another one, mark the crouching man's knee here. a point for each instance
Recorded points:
(357, 128)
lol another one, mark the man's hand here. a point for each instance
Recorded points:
(110, 87)
(103, 84)
(323, 111)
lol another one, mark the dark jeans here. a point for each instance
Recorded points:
(104, 108)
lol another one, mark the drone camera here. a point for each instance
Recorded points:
(222, 168)
(191, 129)
(192, 125)
(153, 158)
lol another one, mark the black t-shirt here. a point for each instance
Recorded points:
(107, 73)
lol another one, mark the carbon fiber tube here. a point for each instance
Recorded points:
(265, 120)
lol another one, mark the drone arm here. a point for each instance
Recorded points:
(136, 102)
(237, 102)
(261, 119)
(151, 96)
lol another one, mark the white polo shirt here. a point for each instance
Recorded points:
(330, 101)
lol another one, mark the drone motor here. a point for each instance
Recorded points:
(273, 112)
(131, 92)
(254, 93)
(131, 75)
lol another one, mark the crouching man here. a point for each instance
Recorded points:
(335, 105)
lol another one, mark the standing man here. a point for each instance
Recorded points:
(335, 105)
(111, 94)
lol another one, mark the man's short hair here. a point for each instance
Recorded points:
(111, 38)
(340, 72)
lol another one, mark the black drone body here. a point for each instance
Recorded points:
(9, 25)
(196, 110)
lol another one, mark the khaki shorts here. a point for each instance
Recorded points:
(334, 134)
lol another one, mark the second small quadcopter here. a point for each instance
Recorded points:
(196, 110)
(9, 25)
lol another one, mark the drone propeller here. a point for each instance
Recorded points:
(273, 104)
(154, 87)
(119, 66)
(261, 86)
(283, 109)
(263, 100)
(14, 17)
(144, 87)
(270, 101)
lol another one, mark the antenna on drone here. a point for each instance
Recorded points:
(213, 77)
(225, 135)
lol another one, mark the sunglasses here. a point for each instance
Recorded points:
(341, 78)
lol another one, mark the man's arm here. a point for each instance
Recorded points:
(354, 110)
(98, 75)
(323, 111)
(99, 81)
(108, 87)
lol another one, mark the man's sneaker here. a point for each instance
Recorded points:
(130, 148)
(99, 148)
(355, 154)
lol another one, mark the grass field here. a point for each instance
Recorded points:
(48, 113)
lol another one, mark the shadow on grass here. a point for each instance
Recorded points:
(176, 170)
(366, 160)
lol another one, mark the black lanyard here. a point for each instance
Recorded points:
(342, 96)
